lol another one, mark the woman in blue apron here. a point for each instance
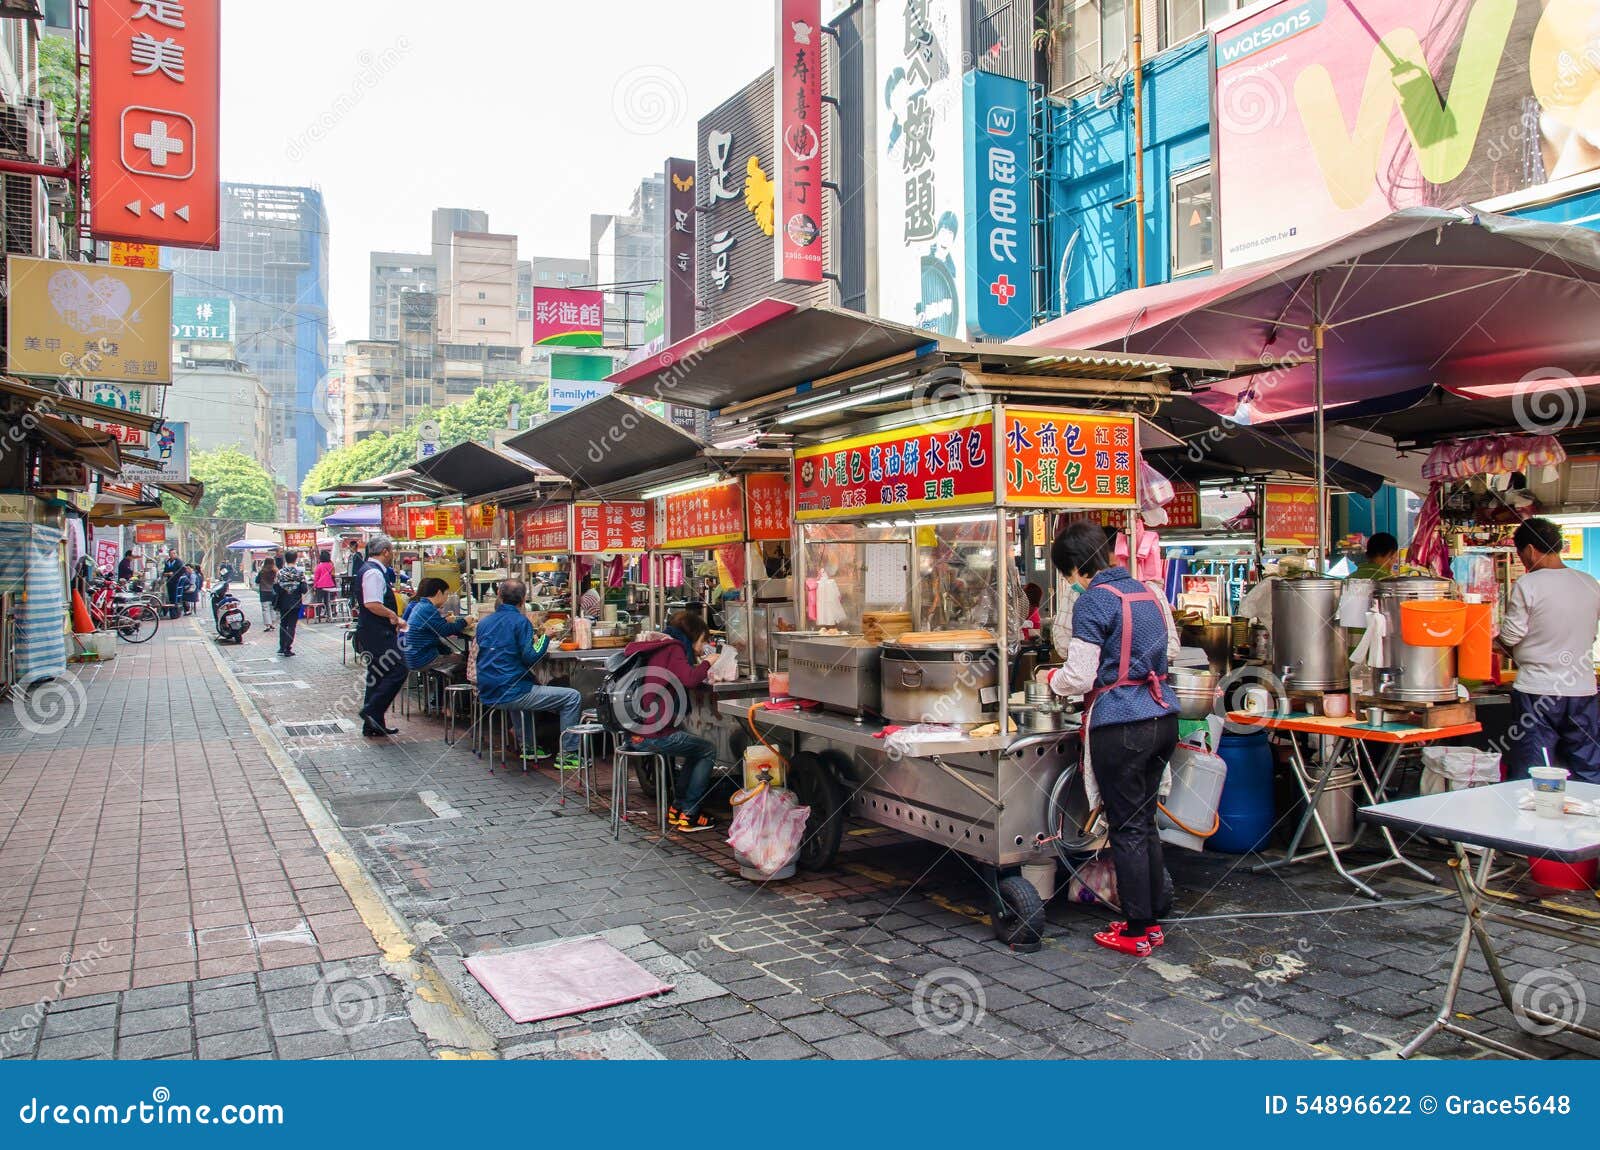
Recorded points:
(1122, 633)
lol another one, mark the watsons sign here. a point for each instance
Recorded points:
(1232, 48)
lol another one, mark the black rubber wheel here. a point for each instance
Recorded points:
(814, 785)
(1019, 918)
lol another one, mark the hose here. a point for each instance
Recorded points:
(750, 721)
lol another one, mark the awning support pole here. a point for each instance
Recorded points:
(1318, 331)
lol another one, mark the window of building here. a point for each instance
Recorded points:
(1086, 37)
(482, 321)
(481, 295)
(1187, 18)
(1191, 208)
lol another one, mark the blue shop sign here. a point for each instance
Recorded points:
(999, 207)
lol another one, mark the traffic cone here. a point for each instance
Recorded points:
(81, 624)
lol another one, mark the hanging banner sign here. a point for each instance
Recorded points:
(569, 317)
(483, 522)
(130, 397)
(393, 516)
(1289, 515)
(942, 465)
(1184, 510)
(300, 538)
(766, 512)
(704, 518)
(604, 528)
(146, 256)
(166, 460)
(999, 206)
(154, 123)
(797, 89)
(89, 321)
(678, 319)
(544, 530)
(1067, 459)
(142, 533)
(429, 523)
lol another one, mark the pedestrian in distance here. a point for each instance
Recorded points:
(125, 567)
(171, 569)
(267, 588)
(378, 628)
(323, 581)
(289, 601)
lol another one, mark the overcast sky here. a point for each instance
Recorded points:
(536, 111)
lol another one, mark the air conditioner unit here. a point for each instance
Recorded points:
(27, 220)
(52, 144)
(21, 136)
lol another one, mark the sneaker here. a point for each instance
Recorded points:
(567, 761)
(1116, 940)
(1155, 934)
(694, 824)
(675, 817)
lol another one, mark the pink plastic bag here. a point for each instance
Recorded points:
(767, 828)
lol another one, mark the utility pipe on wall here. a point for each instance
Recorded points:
(1136, 59)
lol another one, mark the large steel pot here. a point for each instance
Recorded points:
(956, 683)
(1196, 692)
(1309, 651)
(1410, 674)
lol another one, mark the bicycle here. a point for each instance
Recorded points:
(130, 616)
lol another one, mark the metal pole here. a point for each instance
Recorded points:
(1321, 426)
(1003, 547)
(1136, 57)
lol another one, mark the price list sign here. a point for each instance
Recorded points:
(604, 528)
(544, 531)
(767, 508)
(704, 518)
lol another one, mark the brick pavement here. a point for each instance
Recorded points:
(890, 954)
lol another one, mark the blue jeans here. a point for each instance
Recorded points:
(562, 699)
(702, 757)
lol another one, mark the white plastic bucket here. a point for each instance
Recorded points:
(1042, 877)
(1190, 813)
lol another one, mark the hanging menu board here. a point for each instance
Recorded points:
(1289, 515)
(1070, 459)
(482, 522)
(941, 465)
(766, 508)
(604, 528)
(436, 523)
(704, 518)
(544, 531)
(393, 517)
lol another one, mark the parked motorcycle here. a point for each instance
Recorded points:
(227, 614)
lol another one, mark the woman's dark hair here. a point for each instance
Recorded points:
(1082, 548)
(1382, 544)
(1035, 594)
(431, 586)
(324, 557)
(692, 626)
(1540, 534)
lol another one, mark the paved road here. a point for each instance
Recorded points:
(440, 858)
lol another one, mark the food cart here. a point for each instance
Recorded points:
(909, 506)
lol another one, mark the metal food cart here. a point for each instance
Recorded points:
(990, 433)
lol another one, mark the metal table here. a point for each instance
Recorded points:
(1489, 817)
(1351, 738)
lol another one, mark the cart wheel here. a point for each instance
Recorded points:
(814, 785)
(1019, 915)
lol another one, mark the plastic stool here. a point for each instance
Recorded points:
(620, 760)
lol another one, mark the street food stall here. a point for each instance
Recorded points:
(901, 707)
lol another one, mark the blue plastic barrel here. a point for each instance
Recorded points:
(1246, 810)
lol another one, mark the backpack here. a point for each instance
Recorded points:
(635, 696)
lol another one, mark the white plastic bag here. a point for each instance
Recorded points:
(767, 828)
(726, 667)
(1094, 882)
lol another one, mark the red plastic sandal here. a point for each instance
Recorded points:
(1116, 940)
(1155, 934)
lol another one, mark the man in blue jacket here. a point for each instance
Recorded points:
(508, 650)
(428, 628)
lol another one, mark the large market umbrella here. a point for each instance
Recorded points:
(1457, 300)
(252, 545)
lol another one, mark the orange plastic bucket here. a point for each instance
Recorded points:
(1433, 622)
(1476, 658)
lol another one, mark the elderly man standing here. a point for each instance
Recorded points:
(508, 650)
(378, 625)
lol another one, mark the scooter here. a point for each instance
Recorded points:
(228, 615)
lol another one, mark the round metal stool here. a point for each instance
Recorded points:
(621, 758)
(591, 737)
(452, 697)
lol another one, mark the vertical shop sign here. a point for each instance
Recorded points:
(999, 206)
(679, 249)
(798, 90)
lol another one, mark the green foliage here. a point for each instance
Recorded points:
(237, 490)
(58, 83)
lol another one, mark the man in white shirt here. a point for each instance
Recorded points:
(378, 625)
(1549, 629)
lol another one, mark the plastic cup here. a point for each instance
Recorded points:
(1549, 791)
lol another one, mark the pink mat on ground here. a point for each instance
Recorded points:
(563, 978)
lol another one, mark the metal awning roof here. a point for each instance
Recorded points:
(606, 440)
(98, 449)
(708, 462)
(69, 405)
(772, 350)
(474, 470)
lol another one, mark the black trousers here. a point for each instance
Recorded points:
(287, 622)
(1128, 759)
(386, 674)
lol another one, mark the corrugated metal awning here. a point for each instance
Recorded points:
(606, 440)
(474, 470)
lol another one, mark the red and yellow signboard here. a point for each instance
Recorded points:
(146, 256)
(797, 87)
(1184, 510)
(945, 464)
(1289, 515)
(149, 533)
(1068, 459)
(603, 528)
(483, 522)
(704, 518)
(392, 515)
(300, 538)
(766, 513)
(429, 523)
(155, 70)
(544, 530)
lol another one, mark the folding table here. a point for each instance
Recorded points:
(1489, 817)
(1350, 738)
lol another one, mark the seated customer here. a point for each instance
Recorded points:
(677, 652)
(424, 640)
(507, 651)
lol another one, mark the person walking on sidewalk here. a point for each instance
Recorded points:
(323, 581)
(267, 588)
(508, 651)
(677, 653)
(378, 626)
(171, 571)
(290, 601)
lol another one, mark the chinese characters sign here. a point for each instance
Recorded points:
(1000, 209)
(798, 86)
(1065, 459)
(202, 319)
(570, 317)
(602, 528)
(678, 318)
(766, 507)
(945, 464)
(919, 160)
(436, 523)
(393, 517)
(483, 522)
(129, 397)
(1184, 510)
(142, 533)
(1289, 515)
(703, 518)
(88, 321)
(166, 460)
(544, 531)
(153, 126)
(300, 538)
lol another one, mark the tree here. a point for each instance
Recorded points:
(58, 83)
(238, 490)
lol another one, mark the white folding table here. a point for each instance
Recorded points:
(1490, 818)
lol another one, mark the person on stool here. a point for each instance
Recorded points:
(1122, 634)
(378, 626)
(508, 650)
(1549, 629)
(428, 628)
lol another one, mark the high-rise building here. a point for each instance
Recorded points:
(273, 265)
(392, 273)
(478, 299)
(626, 255)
